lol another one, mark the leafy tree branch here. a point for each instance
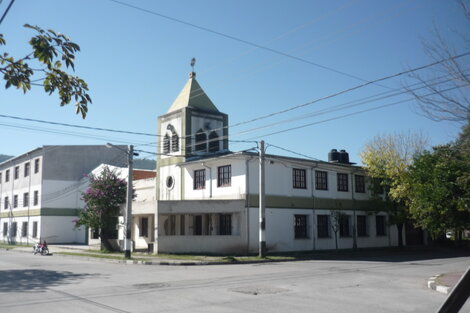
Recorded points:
(50, 51)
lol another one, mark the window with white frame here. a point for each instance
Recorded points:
(36, 197)
(225, 224)
(35, 229)
(362, 227)
(24, 229)
(26, 169)
(36, 166)
(15, 201)
(323, 226)
(344, 229)
(342, 181)
(321, 180)
(13, 229)
(380, 225)
(360, 183)
(224, 176)
(300, 226)
(7, 176)
(26, 199)
(299, 180)
(5, 229)
(17, 172)
(199, 179)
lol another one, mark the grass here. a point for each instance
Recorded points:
(7, 246)
(99, 255)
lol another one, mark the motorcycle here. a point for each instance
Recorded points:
(41, 248)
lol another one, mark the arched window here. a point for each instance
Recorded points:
(201, 141)
(214, 144)
(175, 143)
(166, 144)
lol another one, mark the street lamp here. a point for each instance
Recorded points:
(128, 216)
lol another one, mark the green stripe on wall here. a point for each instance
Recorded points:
(42, 212)
(316, 203)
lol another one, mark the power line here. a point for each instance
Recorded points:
(350, 104)
(6, 11)
(349, 114)
(77, 126)
(291, 151)
(344, 91)
(237, 39)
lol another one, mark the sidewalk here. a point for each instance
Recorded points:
(444, 282)
(88, 253)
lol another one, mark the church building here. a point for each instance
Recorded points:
(208, 197)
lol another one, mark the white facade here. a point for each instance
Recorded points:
(207, 200)
(40, 192)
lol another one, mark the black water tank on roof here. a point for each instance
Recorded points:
(333, 156)
(343, 157)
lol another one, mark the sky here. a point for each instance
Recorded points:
(136, 62)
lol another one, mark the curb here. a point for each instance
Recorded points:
(434, 285)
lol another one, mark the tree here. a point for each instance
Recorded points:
(336, 218)
(49, 51)
(387, 159)
(445, 94)
(103, 200)
(439, 187)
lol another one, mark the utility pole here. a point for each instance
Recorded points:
(262, 203)
(128, 240)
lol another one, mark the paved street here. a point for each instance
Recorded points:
(68, 284)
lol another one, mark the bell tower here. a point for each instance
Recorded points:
(192, 128)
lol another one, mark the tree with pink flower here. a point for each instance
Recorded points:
(103, 199)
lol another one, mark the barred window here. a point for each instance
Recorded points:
(323, 226)
(36, 166)
(300, 226)
(321, 180)
(224, 176)
(225, 224)
(380, 225)
(13, 229)
(299, 178)
(24, 229)
(144, 227)
(342, 182)
(344, 229)
(360, 183)
(199, 179)
(26, 199)
(26, 169)
(36, 198)
(35, 229)
(362, 225)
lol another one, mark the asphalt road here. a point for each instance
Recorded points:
(68, 284)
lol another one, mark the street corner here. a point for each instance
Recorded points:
(444, 283)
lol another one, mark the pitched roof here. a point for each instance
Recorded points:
(193, 96)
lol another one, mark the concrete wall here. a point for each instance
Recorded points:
(235, 243)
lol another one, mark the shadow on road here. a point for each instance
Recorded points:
(405, 254)
(35, 279)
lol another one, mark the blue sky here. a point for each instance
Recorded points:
(136, 63)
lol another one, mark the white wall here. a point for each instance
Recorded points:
(60, 229)
(235, 191)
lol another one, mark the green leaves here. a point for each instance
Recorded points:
(50, 50)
